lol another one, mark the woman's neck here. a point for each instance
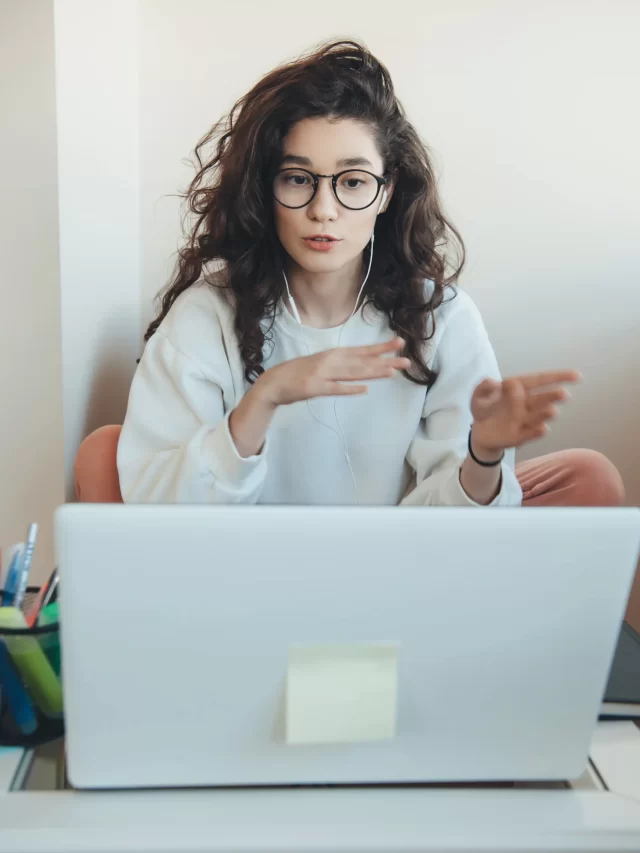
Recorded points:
(325, 300)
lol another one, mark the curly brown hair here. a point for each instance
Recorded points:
(231, 205)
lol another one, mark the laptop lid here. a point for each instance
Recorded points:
(475, 643)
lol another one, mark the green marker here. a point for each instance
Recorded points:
(50, 642)
(38, 676)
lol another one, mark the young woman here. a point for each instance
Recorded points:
(313, 347)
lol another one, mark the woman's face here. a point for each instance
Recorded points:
(327, 147)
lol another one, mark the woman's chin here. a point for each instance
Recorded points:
(320, 263)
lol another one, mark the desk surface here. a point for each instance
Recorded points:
(349, 820)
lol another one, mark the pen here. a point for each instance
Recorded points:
(25, 567)
(43, 598)
(11, 584)
(52, 590)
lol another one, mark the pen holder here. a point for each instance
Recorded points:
(30, 686)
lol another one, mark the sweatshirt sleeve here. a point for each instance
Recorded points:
(175, 445)
(463, 358)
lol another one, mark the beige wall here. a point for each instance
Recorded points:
(528, 108)
(31, 441)
(98, 182)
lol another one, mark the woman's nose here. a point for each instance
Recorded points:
(324, 205)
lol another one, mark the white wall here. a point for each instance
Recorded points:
(529, 108)
(31, 438)
(98, 160)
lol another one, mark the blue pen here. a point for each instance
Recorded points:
(25, 567)
(13, 577)
(15, 694)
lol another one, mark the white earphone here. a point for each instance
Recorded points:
(294, 307)
(294, 310)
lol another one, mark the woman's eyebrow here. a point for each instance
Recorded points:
(294, 158)
(347, 161)
(355, 161)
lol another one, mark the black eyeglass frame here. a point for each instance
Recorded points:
(334, 182)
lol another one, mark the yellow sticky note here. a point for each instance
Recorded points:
(341, 694)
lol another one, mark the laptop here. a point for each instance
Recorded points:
(270, 645)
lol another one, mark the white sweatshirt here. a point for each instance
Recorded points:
(405, 444)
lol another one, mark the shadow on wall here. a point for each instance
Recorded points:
(603, 414)
(118, 346)
(116, 364)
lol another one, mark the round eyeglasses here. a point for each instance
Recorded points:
(354, 189)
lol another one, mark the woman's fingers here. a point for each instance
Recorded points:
(397, 363)
(334, 372)
(358, 372)
(488, 391)
(540, 403)
(393, 345)
(548, 413)
(347, 369)
(552, 377)
(540, 399)
(533, 433)
(515, 393)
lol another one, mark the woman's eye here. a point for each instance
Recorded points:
(359, 182)
(297, 180)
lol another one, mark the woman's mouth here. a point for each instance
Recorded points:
(320, 242)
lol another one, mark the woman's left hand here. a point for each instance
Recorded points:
(512, 412)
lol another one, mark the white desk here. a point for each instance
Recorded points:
(586, 817)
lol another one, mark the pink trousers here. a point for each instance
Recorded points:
(567, 478)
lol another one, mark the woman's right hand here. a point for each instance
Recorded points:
(325, 374)
(330, 373)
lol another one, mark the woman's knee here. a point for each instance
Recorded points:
(96, 469)
(595, 480)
